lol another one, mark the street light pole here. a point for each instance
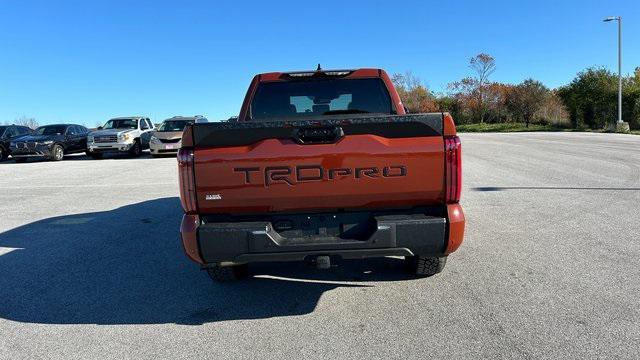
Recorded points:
(619, 20)
(619, 69)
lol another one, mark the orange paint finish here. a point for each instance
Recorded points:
(244, 110)
(254, 191)
(456, 227)
(187, 136)
(188, 230)
(449, 125)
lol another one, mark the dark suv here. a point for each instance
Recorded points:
(51, 142)
(8, 133)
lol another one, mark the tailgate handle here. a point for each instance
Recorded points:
(318, 135)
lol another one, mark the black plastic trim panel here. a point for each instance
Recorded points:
(359, 235)
(224, 134)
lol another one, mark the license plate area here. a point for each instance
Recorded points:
(354, 226)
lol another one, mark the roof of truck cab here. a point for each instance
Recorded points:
(352, 73)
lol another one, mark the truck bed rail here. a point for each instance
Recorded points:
(324, 129)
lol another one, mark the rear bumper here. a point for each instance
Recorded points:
(164, 148)
(163, 152)
(258, 241)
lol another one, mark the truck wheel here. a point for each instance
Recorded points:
(136, 149)
(228, 273)
(3, 154)
(426, 266)
(57, 153)
(94, 155)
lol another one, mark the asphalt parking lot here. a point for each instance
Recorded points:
(91, 267)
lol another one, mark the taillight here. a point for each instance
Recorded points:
(187, 181)
(453, 169)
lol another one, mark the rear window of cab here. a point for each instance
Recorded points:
(317, 97)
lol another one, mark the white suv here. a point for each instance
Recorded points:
(124, 134)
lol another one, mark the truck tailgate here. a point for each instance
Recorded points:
(385, 162)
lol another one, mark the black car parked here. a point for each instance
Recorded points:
(51, 142)
(9, 133)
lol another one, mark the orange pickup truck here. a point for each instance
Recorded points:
(321, 166)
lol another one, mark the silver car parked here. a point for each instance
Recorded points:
(129, 134)
(167, 139)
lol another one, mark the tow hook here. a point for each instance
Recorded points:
(323, 262)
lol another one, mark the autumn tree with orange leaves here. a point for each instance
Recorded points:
(588, 101)
(415, 96)
(476, 92)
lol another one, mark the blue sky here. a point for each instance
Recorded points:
(87, 61)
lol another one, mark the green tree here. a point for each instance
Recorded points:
(631, 99)
(525, 99)
(591, 98)
(451, 105)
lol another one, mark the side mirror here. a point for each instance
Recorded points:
(99, 128)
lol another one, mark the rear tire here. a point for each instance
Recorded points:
(57, 153)
(3, 154)
(228, 273)
(425, 266)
